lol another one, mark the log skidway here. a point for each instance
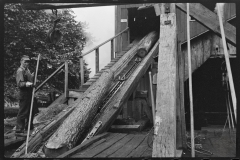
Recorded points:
(117, 68)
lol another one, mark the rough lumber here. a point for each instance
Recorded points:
(75, 124)
(83, 145)
(209, 19)
(164, 144)
(113, 108)
(39, 6)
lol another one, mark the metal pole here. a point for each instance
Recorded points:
(190, 83)
(229, 71)
(30, 115)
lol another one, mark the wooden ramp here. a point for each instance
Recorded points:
(119, 145)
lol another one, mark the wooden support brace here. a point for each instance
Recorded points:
(210, 20)
(164, 144)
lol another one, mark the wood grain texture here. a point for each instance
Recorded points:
(128, 147)
(83, 145)
(164, 144)
(209, 19)
(121, 143)
(91, 152)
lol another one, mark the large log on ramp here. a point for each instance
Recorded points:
(68, 133)
(149, 41)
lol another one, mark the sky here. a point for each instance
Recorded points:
(101, 25)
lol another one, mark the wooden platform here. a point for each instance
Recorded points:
(119, 145)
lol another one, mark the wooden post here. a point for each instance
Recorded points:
(112, 50)
(181, 71)
(82, 70)
(31, 107)
(229, 71)
(152, 98)
(164, 144)
(66, 79)
(190, 83)
(97, 60)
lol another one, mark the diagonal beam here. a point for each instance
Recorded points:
(39, 6)
(210, 20)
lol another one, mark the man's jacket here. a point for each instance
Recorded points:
(23, 76)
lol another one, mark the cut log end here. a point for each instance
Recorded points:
(52, 153)
(142, 52)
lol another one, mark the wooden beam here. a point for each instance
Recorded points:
(164, 144)
(209, 20)
(39, 6)
(83, 145)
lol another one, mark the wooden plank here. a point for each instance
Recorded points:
(131, 145)
(140, 149)
(209, 20)
(181, 70)
(39, 6)
(115, 147)
(83, 145)
(102, 147)
(124, 128)
(96, 144)
(164, 144)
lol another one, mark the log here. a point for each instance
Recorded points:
(149, 41)
(109, 114)
(73, 127)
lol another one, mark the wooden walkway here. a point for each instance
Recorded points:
(119, 145)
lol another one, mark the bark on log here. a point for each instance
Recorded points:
(149, 41)
(69, 132)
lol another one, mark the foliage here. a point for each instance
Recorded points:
(26, 34)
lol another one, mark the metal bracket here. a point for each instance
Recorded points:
(167, 8)
(167, 22)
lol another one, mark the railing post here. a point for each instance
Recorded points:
(97, 60)
(82, 70)
(112, 50)
(66, 79)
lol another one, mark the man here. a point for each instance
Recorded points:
(24, 81)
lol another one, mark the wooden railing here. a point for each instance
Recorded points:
(81, 63)
(96, 49)
(54, 73)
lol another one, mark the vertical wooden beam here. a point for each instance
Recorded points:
(164, 144)
(97, 60)
(181, 72)
(66, 79)
(82, 70)
(112, 50)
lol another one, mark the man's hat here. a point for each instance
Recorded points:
(25, 57)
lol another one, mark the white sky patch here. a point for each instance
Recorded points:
(101, 25)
